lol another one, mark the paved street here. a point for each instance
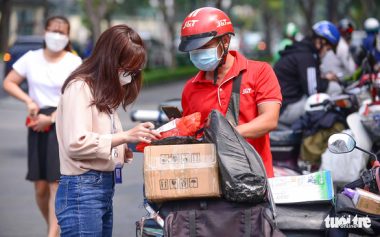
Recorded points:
(19, 216)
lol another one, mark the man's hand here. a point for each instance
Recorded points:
(331, 76)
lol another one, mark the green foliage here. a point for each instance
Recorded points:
(158, 76)
(275, 5)
(165, 75)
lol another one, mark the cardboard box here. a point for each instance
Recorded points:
(314, 187)
(367, 201)
(180, 172)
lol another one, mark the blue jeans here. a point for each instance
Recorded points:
(83, 204)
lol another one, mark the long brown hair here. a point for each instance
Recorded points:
(68, 47)
(118, 48)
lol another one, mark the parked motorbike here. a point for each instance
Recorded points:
(363, 125)
(369, 180)
(322, 111)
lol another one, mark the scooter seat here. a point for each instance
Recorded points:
(285, 137)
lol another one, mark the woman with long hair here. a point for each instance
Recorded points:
(92, 143)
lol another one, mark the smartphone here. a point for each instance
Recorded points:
(171, 112)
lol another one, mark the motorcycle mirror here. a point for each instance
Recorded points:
(341, 143)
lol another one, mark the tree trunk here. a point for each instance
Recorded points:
(332, 10)
(307, 8)
(4, 24)
(95, 13)
(218, 4)
(168, 10)
(267, 17)
(46, 9)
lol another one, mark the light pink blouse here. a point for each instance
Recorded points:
(84, 134)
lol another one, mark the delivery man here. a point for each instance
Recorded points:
(206, 34)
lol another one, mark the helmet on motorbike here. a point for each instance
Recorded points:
(203, 25)
(316, 99)
(346, 26)
(371, 25)
(291, 30)
(327, 31)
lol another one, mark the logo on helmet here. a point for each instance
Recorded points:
(223, 22)
(194, 13)
(189, 23)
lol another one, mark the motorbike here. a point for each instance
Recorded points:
(321, 112)
(358, 104)
(363, 125)
(285, 141)
(348, 203)
(309, 219)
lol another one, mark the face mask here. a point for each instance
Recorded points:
(55, 41)
(124, 79)
(205, 59)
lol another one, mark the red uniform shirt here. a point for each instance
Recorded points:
(259, 85)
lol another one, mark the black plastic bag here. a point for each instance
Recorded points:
(243, 175)
(176, 140)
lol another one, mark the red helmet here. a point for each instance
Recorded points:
(203, 25)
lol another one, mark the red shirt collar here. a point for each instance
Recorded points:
(240, 64)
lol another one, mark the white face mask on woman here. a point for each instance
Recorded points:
(56, 41)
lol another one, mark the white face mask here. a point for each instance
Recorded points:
(205, 59)
(56, 41)
(124, 79)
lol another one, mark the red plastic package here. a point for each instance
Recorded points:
(180, 127)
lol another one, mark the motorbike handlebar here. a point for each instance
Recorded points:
(149, 116)
(355, 184)
(325, 102)
(367, 179)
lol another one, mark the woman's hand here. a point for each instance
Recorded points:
(143, 132)
(128, 157)
(32, 109)
(40, 123)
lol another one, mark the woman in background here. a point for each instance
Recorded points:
(45, 70)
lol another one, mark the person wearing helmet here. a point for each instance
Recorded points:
(371, 43)
(330, 62)
(346, 27)
(290, 33)
(298, 70)
(206, 34)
